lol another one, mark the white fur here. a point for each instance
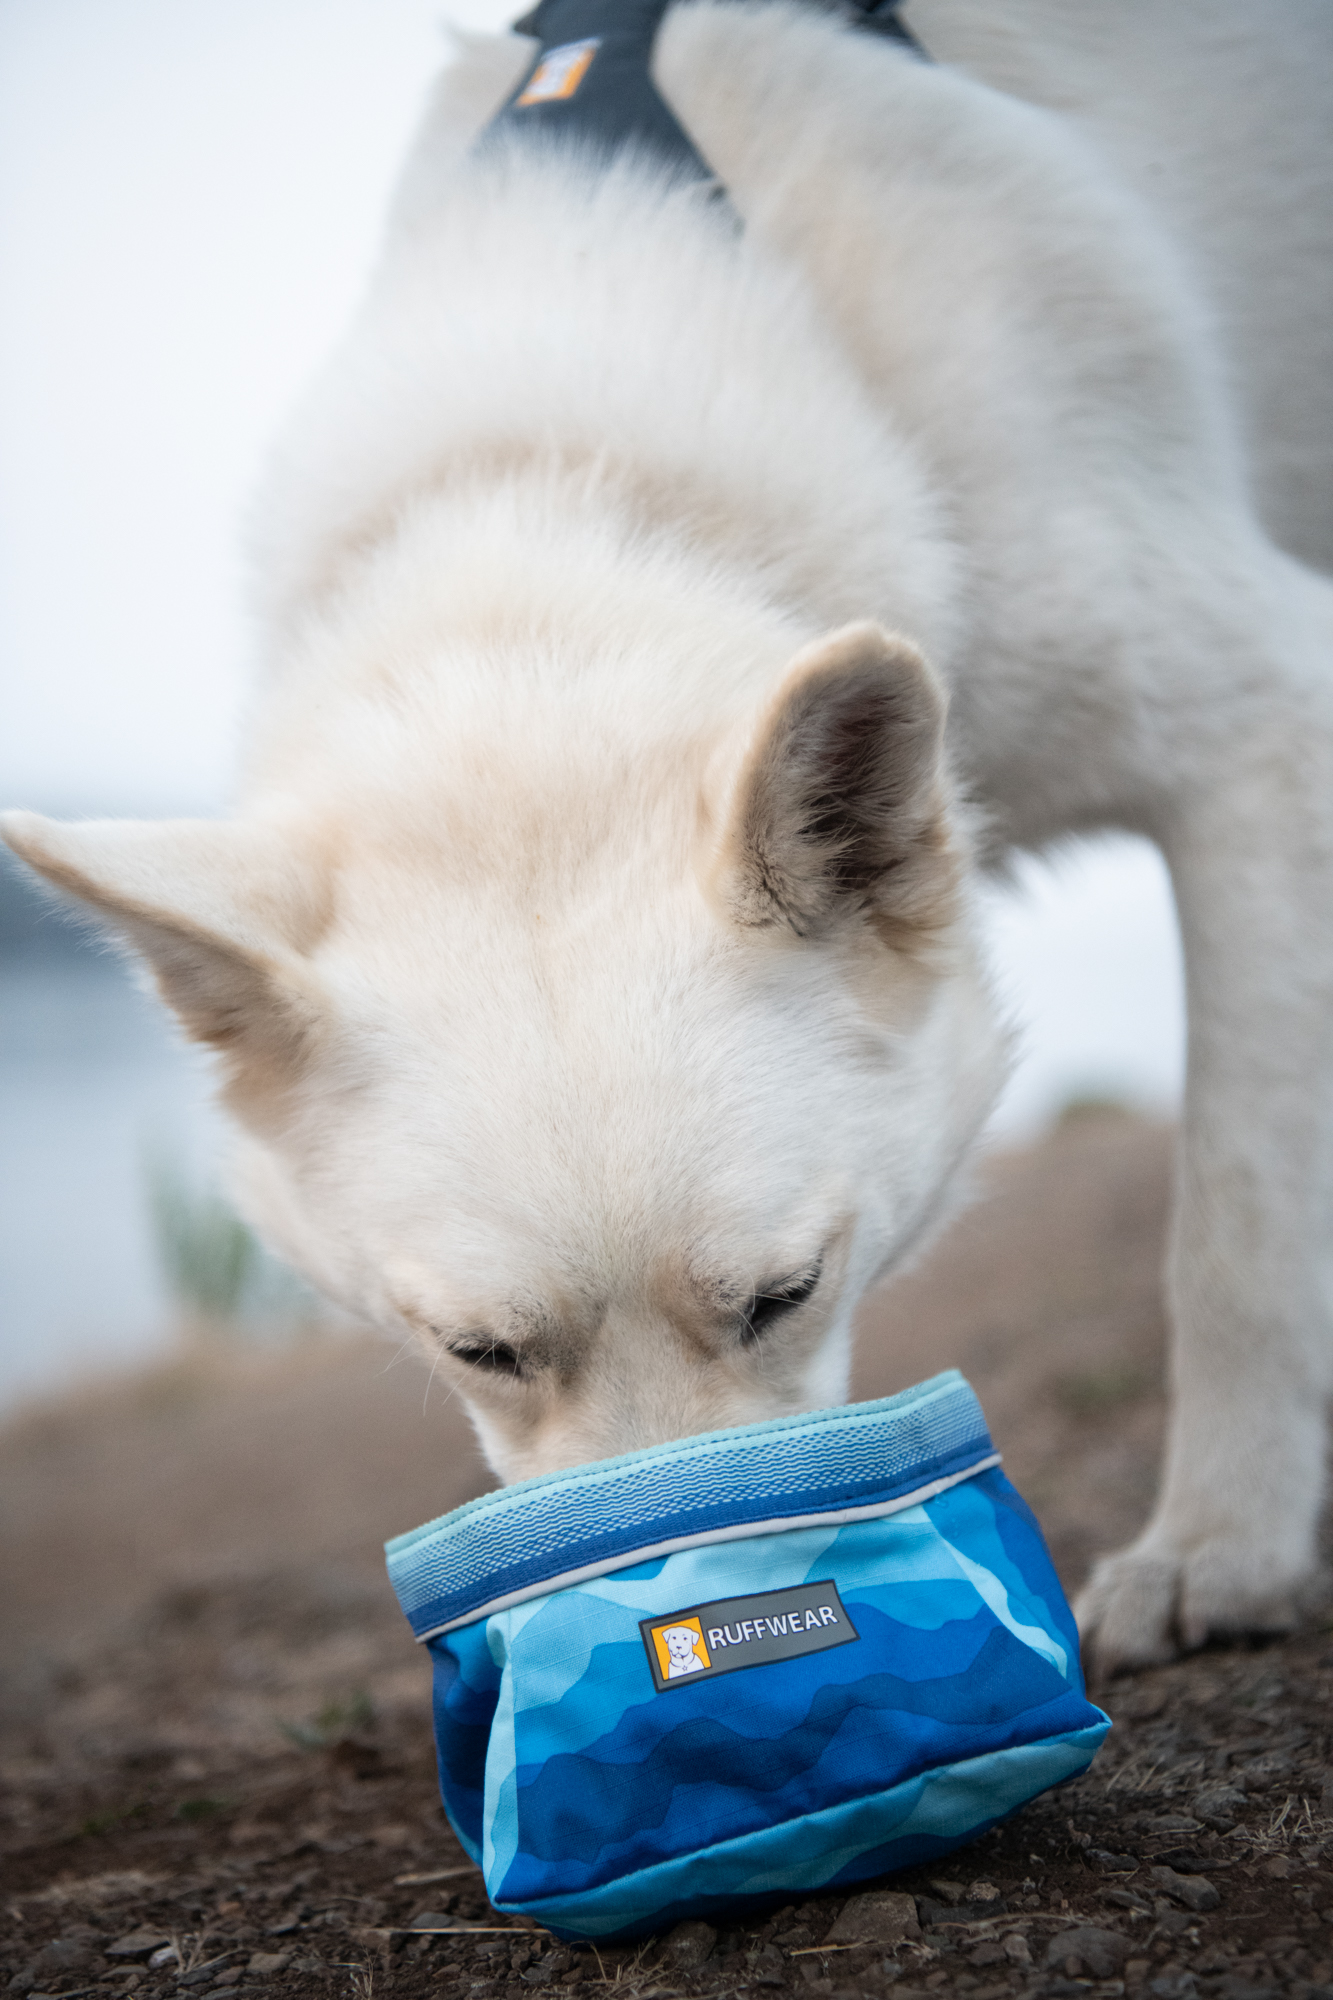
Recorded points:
(536, 558)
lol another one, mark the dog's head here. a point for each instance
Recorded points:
(617, 1086)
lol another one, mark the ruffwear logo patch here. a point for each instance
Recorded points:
(732, 1632)
(560, 72)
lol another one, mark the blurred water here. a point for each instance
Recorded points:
(91, 1079)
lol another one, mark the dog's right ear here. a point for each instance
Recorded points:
(839, 806)
(221, 911)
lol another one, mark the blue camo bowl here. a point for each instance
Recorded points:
(743, 1667)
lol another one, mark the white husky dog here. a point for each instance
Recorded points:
(591, 955)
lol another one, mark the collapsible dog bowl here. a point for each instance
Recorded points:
(745, 1666)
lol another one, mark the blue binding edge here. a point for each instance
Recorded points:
(821, 1461)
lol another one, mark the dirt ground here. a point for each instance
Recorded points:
(217, 1769)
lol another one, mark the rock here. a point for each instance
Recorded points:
(990, 1953)
(167, 1955)
(64, 1955)
(432, 1920)
(882, 1916)
(1016, 1949)
(1101, 1952)
(1174, 1984)
(768, 1967)
(1218, 1805)
(947, 1891)
(200, 1975)
(137, 1944)
(1185, 1861)
(1262, 1773)
(264, 1964)
(690, 1944)
(930, 1913)
(88, 1934)
(984, 1892)
(1196, 1892)
(1125, 1899)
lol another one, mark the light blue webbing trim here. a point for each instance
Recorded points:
(818, 1462)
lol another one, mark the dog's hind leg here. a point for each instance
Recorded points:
(1249, 840)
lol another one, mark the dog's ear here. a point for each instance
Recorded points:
(221, 911)
(840, 805)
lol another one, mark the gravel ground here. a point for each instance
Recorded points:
(217, 1772)
(1194, 1858)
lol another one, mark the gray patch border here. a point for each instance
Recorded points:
(740, 1666)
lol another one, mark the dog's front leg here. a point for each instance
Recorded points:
(1249, 839)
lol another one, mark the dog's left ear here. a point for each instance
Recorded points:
(840, 806)
(222, 912)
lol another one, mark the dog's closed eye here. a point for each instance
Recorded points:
(496, 1357)
(767, 1307)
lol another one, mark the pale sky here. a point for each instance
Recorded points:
(189, 196)
(190, 192)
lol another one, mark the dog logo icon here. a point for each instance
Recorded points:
(680, 1648)
(560, 72)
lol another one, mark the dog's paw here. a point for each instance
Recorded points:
(1126, 1612)
(1150, 1601)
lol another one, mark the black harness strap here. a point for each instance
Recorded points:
(592, 81)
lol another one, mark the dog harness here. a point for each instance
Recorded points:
(591, 80)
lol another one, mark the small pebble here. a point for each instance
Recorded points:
(63, 1957)
(1218, 1806)
(882, 1916)
(689, 1944)
(1196, 1892)
(1100, 1952)
(202, 1975)
(137, 1944)
(264, 1964)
